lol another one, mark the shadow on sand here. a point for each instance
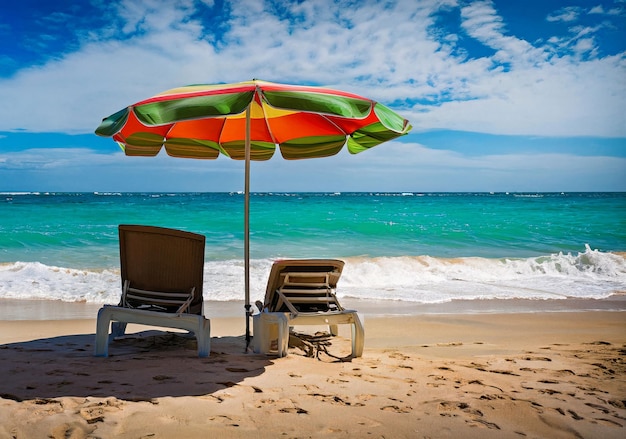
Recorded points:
(141, 366)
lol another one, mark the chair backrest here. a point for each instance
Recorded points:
(163, 260)
(306, 284)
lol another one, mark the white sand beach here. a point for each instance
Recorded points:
(500, 375)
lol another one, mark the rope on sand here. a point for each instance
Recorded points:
(314, 345)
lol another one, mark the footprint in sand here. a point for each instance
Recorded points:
(397, 406)
(575, 415)
(590, 390)
(529, 358)
(438, 379)
(483, 423)
(448, 408)
(309, 387)
(397, 409)
(337, 381)
(48, 406)
(491, 397)
(225, 420)
(268, 401)
(297, 410)
(603, 409)
(549, 381)
(465, 383)
(398, 356)
(549, 391)
(502, 372)
(73, 430)
(334, 399)
(478, 366)
(94, 412)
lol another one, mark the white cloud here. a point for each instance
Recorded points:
(415, 168)
(387, 53)
(561, 99)
(567, 14)
(481, 21)
(599, 9)
(426, 170)
(50, 158)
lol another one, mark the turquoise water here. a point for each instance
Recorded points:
(451, 236)
(80, 230)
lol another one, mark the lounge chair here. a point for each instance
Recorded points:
(302, 292)
(162, 276)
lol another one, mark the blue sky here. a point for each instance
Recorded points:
(503, 95)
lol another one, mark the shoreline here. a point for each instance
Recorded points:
(27, 309)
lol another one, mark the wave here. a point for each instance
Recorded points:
(591, 274)
(19, 193)
(421, 279)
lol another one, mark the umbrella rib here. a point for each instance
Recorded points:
(335, 125)
(259, 94)
(219, 136)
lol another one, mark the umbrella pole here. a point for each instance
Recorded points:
(246, 239)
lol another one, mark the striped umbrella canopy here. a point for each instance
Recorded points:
(247, 121)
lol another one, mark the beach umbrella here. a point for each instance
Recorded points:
(247, 121)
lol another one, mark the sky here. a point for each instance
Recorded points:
(518, 96)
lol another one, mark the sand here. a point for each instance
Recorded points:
(487, 375)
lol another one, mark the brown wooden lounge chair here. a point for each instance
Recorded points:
(302, 292)
(162, 275)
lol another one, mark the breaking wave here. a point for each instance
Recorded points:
(422, 279)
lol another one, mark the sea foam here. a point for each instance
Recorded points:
(422, 279)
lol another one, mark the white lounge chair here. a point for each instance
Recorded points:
(162, 276)
(302, 292)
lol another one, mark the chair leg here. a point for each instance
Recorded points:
(283, 336)
(118, 329)
(278, 325)
(102, 333)
(260, 340)
(203, 337)
(358, 337)
(334, 330)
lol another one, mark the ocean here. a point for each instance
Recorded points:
(404, 248)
